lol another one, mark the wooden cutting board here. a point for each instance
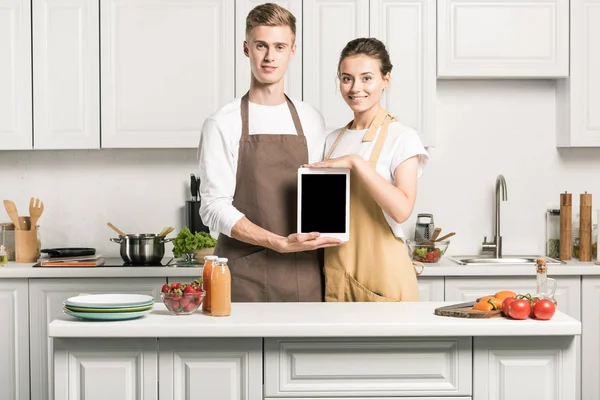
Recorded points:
(465, 310)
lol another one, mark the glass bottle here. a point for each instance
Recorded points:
(595, 242)
(553, 233)
(542, 280)
(575, 237)
(220, 287)
(206, 280)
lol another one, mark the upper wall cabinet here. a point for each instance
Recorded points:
(66, 74)
(15, 75)
(578, 98)
(293, 77)
(503, 38)
(328, 26)
(407, 27)
(165, 67)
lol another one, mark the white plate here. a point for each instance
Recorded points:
(107, 316)
(112, 300)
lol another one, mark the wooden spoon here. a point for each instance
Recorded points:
(36, 208)
(166, 231)
(114, 228)
(436, 233)
(11, 209)
(445, 237)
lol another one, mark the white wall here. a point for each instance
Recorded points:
(484, 128)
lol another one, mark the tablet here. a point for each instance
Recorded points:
(324, 202)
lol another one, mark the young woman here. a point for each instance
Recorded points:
(385, 159)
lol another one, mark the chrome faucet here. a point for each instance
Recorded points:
(496, 245)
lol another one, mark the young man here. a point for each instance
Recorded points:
(249, 154)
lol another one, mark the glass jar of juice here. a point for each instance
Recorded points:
(206, 278)
(220, 287)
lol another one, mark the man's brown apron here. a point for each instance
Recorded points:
(374, 264)
(266, 192)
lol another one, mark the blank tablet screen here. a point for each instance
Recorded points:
(323, 203)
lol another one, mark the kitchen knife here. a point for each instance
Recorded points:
(193, 187)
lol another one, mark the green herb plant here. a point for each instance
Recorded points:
(186, 242)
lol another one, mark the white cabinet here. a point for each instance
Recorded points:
(46, 297)
(116, 369)
(66, 74)
(334, 367)
(224, 369)
(467, 289)
(293, 77)
(590, 325)
(328, 26)
(407, 27)
(524, 368)
(165, 67)
(431, 288)
(15, 75)
(14, 339)
(505, 38)
(578, 98)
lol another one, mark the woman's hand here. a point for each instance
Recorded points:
(348, 162)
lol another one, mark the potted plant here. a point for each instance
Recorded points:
(193, 245)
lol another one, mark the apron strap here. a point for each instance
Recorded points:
(418, 264)
(369, 136)
(383, 134)
(244, 114)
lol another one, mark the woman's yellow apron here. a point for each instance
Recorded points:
(374, 265)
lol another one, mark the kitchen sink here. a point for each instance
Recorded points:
(512, 260)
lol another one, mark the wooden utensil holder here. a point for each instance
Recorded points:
(585, 227)
(26, 246)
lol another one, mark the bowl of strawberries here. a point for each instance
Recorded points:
(183, 298)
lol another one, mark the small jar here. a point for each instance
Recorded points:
(8, 228)
(595, 242)
(576, 237)
(553, 233)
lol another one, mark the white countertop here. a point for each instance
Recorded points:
(314, 320)
(444, 267)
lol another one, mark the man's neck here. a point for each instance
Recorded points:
(266, 94)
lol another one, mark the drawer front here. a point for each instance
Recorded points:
(366, 367)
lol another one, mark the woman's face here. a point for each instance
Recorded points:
(361, 82)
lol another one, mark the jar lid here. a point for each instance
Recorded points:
(9, 226)
(222, 259)
(554, 211)
(211, 258)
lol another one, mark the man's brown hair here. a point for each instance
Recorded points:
(270, 14)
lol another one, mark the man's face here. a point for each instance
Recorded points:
(270, 49)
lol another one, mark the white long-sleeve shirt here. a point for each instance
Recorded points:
(218, 152)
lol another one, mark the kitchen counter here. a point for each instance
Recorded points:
(314, 320)
(443, 268)
(369, 351)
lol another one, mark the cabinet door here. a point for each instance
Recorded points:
(14, 339)
(505, 38)
(100, 369)
(468, 289)
(46, 297)
(224, 369)
(578, 98)
(15, 75)
(407, 27)
(431, 288)
(165, 67)
(328, 26)
(66, 74)
(590, 332)
(293, 76)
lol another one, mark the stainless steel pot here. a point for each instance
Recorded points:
(143, 249)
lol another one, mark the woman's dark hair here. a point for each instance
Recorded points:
(369, 47)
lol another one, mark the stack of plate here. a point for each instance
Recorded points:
(109, 307)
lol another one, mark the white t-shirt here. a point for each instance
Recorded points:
(401, 144)
(219, 146)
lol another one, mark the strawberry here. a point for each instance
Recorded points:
(165, 288)
(190, 306)
(175, 285)
(175, 305)
(197, 283)
(185, 303)
(189, 289)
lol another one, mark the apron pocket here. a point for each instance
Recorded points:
(357, 292)
(249, 277)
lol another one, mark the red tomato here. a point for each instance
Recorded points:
(519, 309)
(506, 305)
(544, 309)
(534, 301)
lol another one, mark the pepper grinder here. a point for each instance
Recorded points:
(565, 226)
(585, 227)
